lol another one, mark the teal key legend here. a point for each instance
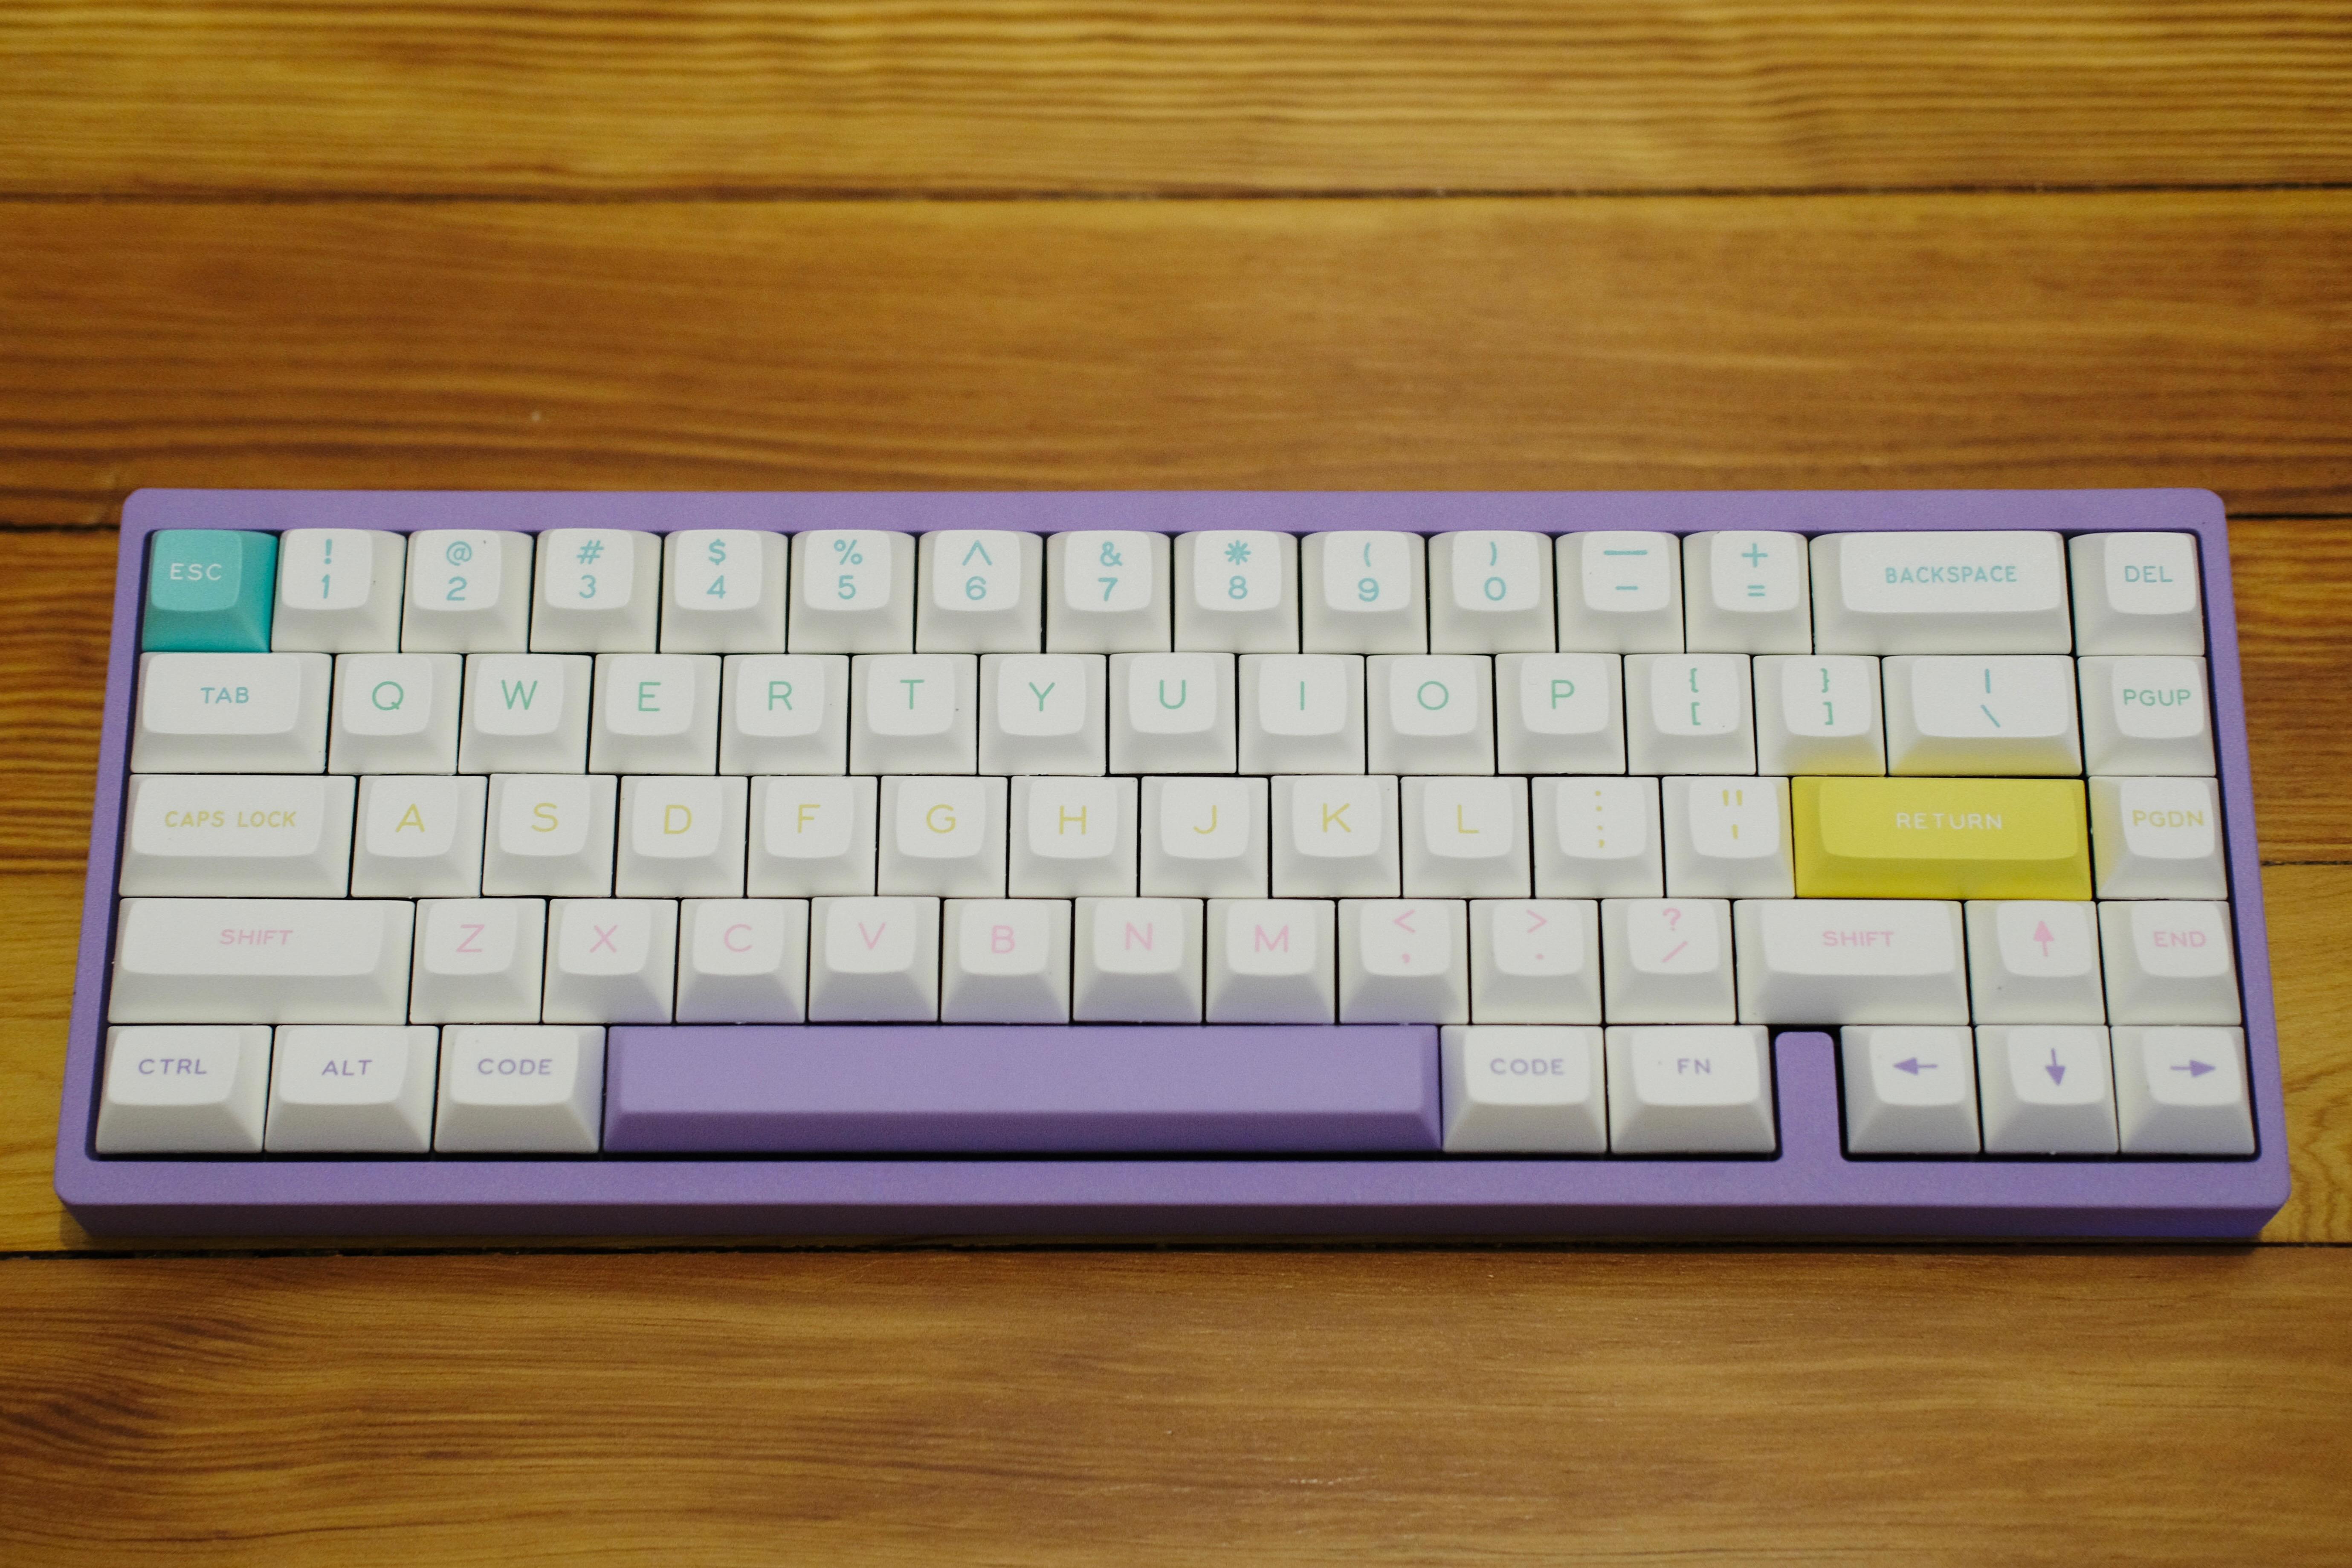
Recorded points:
(209, 589)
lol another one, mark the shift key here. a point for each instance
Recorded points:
(1941, 839)
(262, 961)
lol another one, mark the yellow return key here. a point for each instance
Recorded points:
(1940, 838)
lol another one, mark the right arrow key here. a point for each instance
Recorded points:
(2183, 1091)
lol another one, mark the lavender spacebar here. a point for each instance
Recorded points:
(974, 1089)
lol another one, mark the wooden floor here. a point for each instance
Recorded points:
(808, 243)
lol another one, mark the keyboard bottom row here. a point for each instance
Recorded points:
(1372, 1090)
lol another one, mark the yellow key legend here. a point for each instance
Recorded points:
(1940, 838)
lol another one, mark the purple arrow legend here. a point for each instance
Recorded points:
(1913, 1066)
(2196, 1068)
(2057, 1074)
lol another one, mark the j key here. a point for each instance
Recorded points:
(1524, 1090)
(984, 592)
(1272, 962)
(812, 836)
(742, 960)
(1302, 713)
(655, 713)
(1491, 593)
(599, 592)
(232, 713)
(1335, 836)
(1043, 712)
(2034, 961)
(784, 713)
(2157, 839)
(1429, 713)
(278, 960)
(1819, 715)
(224, 834)
(1746, 592)
(943, 837)
(2182, 1091)
(396, 713)
(726, 591)
(1999, 590)
(1006, 960)
(1136, 961)
(549, 833)
(1109, 592)
(185, 1090)
(1535, 961)
(914, 713)
(1690, 1091)
(855, 592)
(1667, 961)
(1598, 838)
(1238, 592)
(2006, 716)
(209, 591)
(1910, 1089)
(1363, 593)
(1404, 961)
(479, 960)
(521, 1091)
(419, 837)
(468, 592)
(1171, 713)
(2136, 593)
(1689, 714)
(1850, 960)
(1073, 837)
(338, 589)
(2047, 1088)
(1621, 592)
(1204, 838)
(874, 960)
(610, 961)
(1559, 713)
(1466, 838)
(1728, 838)
(343, 1089)
(2145, 716)
(2168, 962)
(681, 838)
(526, 713)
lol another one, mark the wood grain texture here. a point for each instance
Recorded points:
(572, 96)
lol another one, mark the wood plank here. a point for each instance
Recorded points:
(1278, 95)
(2294, 578)
(2308, 913)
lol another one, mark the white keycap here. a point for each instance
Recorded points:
(874, 960)
(914, 713)
(2182, 1091)
(1363, 592)
(1491, 593)
(1598, 838)
(943, 837)
(468, 592)
(1404, 961)
(549, 833)
(1466, 838)
(1429, 713)
(724, 591)
(271, 961)
(227, 835)
(1689, 714)
(1559, 713)
(1043, 712)
(1204, 838)
(1108, 592)
(1171, 713)
(1238, 592)
(537, 1090)
(396, 713)
(202, 1090)
(1335, 837)
(526, 713)
(2046, 1088)
(742, 960)
(1136, 961)
(983, 592)
(812, 836)
(479, 960)
(2136, 593)
(419, 837)
(1271, 961)
(655, 713)
(1909, 1089)
(2145, 716)
(1073, 837)
(1690, 1091)
(854, 591)
(2034, 961)
(1995, 591)
(1535, 961)
(1971, 716)
(1619, 592)
(610, 961)
(1850, 960)
(784, 713)
(1666, 961)
(353, 1090)
(339, 591)
(1302, 713)
(681, 838)
(1728, 838)
(599, 592)
(1746, 592)
(2157, 838)
(1819, 715)
(1526, 1090)
(232, 713)
(1006, 960)
(2168, 962)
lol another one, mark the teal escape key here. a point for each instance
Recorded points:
(209, 591)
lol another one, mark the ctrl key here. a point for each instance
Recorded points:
(520, 1090)
(184, 1089)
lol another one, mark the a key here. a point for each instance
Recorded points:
(1073, 837)
(1523, 1091)
(2145, 716)
(2046, 1088)
(1689, 713)
(943, 837)
(1690, 1090)
(1559, 713)
(271, 961)
(1746, 592)
(742, 960)
(655, 713)
(1335, 837)
(1535, 961)
(468, 592)
(1204, 838)
(1819, 715)
(1043, 712)
(784, 713)
(1466, 838)
(2182, 1091)
(1619, 592)
(2034, 961)
(479, 960)
(1909, 1089)
(526, 713)
(1171, 713)
(2136, 593)
(419, 837)
(1728, 838)
(1006, 960)
(681, 838)
(2005, 716)
(1850, 960)
(2157, 839)
(982, 591)
(874, 960)
(339, 591)
(1271, 961)
(1597, 838)
(209, 589)
(185, 1090)
(599, 592)
(610, 961)
(726, 591)
(1667, 961)
(1404, 961)
(510, 1090)
(1998, 591)
(1302, 713)
(394, 713)
(1491, 593)
(1363, 592)
(340, 1089)
(549, 833)
(1429, 713)
(1238, 592)
(2169, 961)
(914, 713)
(232, 713)
(1136, 960)
(855, 592)
(1940, 838)
(230, 836)
(1108, 592)
(812, 836)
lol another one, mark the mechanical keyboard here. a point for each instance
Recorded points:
(1157, 864)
